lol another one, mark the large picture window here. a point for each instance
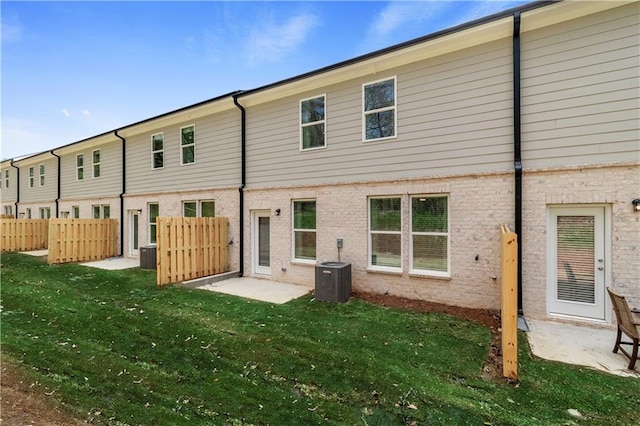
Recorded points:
(312, 123)
(379, 103)
(188, 144)
(430, 234)
(154, 211)
(304, 230)
(385, 233)
(157, 151)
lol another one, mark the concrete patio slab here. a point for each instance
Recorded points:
(37, 253)
(572, 344)
(113, 263)
(253, 288)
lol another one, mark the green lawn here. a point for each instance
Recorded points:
(118, 350)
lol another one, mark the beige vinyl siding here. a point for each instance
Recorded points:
(454, 116)
(8, 195)
(217, 157)
(45, 193)
(108, 184)
(580, 91)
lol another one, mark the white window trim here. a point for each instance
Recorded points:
(377, 268)
(150, 224)
(28, 212)
(41, 170)
(427, 272)
(302, 126)
(31, 173)
(182, 163)
(93, 165)
(394, 107)
(6, 178)
(45, 212)
(293, 233)
(153, 152)
(79, 167)
(75, 209)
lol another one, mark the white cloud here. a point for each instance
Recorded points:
(85, 112)
(65, 112)
(398, 14)
(10, 31)
(18, 141)
(272, 40)
(485, 8)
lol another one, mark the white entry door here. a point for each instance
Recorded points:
(133, 232)
(577, 262)
(261, 235)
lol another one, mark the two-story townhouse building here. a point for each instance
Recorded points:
(403, 162)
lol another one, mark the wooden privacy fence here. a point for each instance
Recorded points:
(24, 234)
(191, 247)
(76, 240)
(509, 311)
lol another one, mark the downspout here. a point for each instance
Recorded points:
(243, 182)
(124, 189)
(59, 185)
(17, 187)
(517, 146)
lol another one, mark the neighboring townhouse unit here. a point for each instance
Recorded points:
(38, 177)
(403, 162)
(184, 163)
(8, 188)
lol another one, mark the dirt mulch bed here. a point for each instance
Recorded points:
(23, 402)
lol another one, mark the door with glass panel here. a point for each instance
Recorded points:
(577, 262)
(261, 235)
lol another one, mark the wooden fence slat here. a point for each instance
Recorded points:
(509, 313)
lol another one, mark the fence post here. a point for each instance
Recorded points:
(509, 313)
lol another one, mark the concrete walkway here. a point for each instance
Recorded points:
(572, 344)
(113, 263)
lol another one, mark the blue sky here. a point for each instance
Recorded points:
(72, 70)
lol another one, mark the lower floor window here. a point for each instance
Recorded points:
(304, 230)
(45, 213)
(76, 212)
(101, 211)
(428, 235)
(202, 208)
(8, 210)
(154, 212)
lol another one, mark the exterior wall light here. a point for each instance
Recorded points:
(278, 211)
(636, 204)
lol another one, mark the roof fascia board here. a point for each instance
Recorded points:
(190, 113)
(566, 11)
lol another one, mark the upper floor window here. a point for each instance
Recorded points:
(430, 234)
(379, 104)
(41, 174)
(6, 178)
(312, 123)
(385, 233)
(188, 144)
(96, 163)
(31, 177)
(157, 151)
(304, 230)
(203, 208)
(79, 166)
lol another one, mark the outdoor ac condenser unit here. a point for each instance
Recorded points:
(148, 257)
(333, 282)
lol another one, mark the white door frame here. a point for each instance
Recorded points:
(134, 234)
(599, 311)
(255, 241)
